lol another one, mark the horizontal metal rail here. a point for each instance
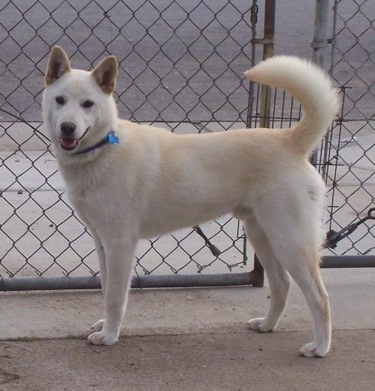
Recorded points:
(348, 261)
(170, 281)
(147, 281)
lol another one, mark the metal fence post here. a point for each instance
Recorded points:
(265, 105)
(319, 42)
(268, 46)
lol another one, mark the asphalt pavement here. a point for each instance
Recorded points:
(188, 339)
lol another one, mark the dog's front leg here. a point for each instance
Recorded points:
(119, 260)
(98, 326)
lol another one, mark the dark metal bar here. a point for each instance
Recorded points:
(257, 274)
(48, 283)
(265, 110)
(348, 261)
(192, 280)
(253, 278)
(269, 28)
(268, 48)
(148, 281)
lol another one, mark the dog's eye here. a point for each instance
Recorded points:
(87, 104)
(60, 100)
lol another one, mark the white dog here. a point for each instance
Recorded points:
(129, 181)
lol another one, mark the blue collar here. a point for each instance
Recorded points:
(110, 138)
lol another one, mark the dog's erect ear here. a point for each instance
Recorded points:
(58, 65)
(105, 74)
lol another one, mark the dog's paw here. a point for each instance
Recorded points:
(98, 326)
(312, 349)
(259, 324)
(100, 338)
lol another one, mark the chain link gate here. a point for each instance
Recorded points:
(346, 158)
(348, 152)
(181, 64)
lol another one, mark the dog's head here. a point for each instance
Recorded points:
(78, 107)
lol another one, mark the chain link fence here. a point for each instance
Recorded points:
(181, 65)
(348, 153)
(346, 158)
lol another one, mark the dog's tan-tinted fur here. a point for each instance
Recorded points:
(154, 181)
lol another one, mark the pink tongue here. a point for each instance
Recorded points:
(68, 143)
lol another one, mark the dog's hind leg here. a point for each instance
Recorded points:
(307, 276)
(119, 255)
(294, 234)
(277, 275)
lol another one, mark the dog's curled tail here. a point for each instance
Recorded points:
(311, 86)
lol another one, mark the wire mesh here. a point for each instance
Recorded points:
(181, 65)
(348, 154)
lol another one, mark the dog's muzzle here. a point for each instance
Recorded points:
(67, 140)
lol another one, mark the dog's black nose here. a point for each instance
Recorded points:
(68, 128)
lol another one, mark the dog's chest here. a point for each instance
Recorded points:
(84, 185)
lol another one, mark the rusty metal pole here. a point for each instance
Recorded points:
(257, 275)
(268, 47)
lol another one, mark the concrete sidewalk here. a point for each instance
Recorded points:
(187, 339)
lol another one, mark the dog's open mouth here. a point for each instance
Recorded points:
(69, 143)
